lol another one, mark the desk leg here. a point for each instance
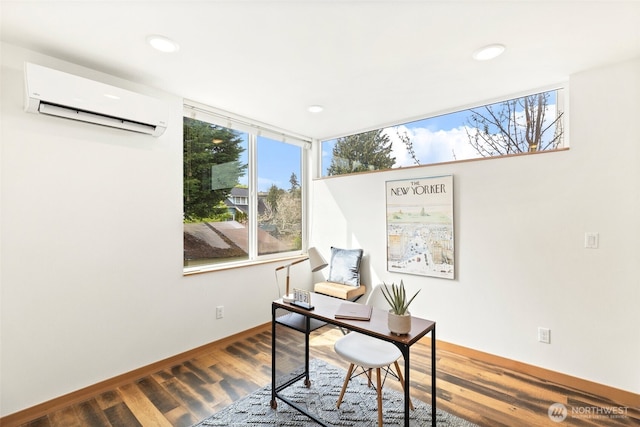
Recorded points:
(274, 403)
(407, 384)
(307, 332)
(433, 377)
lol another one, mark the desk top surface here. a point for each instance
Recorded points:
(326, 307)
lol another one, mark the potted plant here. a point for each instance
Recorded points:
(399, 316)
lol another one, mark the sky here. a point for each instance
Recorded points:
(276, 162)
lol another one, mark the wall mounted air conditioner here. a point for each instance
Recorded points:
(65, 95)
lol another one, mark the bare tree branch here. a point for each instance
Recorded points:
(518, 126)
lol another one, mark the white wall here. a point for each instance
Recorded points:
(91, 251)
(519, 235)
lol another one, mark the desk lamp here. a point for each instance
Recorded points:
(316, 263)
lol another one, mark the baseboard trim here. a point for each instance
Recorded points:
(616, 395)
(37, 411)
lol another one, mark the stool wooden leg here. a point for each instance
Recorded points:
(401, 378)
(379, 382)
(344, 386)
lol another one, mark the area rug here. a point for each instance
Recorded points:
(358, 409)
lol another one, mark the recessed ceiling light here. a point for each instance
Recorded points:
(315, 108)
(163, 44)
(488, 52)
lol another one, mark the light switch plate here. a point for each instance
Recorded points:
(591, 240)
(544, 335)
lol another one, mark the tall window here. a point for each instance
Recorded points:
(522, 125)
(243, 192)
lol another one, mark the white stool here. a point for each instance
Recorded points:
(368, 352)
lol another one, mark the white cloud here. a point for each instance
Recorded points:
(430, 146)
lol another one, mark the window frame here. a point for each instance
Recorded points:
(254, 129)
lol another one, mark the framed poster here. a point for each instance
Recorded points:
(420, 226)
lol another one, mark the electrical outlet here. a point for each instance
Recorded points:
(544, 335)
(220, 312)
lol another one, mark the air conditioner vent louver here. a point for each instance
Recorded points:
(60, 94)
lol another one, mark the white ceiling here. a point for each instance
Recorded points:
(369, 63)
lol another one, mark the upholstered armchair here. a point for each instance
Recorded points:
(344, 275)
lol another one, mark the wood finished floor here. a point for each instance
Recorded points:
(184, 394)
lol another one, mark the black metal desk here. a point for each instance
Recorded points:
(307, 321)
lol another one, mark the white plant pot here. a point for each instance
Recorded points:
(399, 324)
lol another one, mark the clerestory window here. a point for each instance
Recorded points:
(527, 124)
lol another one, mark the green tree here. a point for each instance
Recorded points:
(293, 180)
(515, 126)
(362, 152)
(211, 167)
(273, 196)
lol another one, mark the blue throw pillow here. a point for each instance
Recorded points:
(345, 266)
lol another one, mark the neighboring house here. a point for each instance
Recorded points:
(238, 201)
